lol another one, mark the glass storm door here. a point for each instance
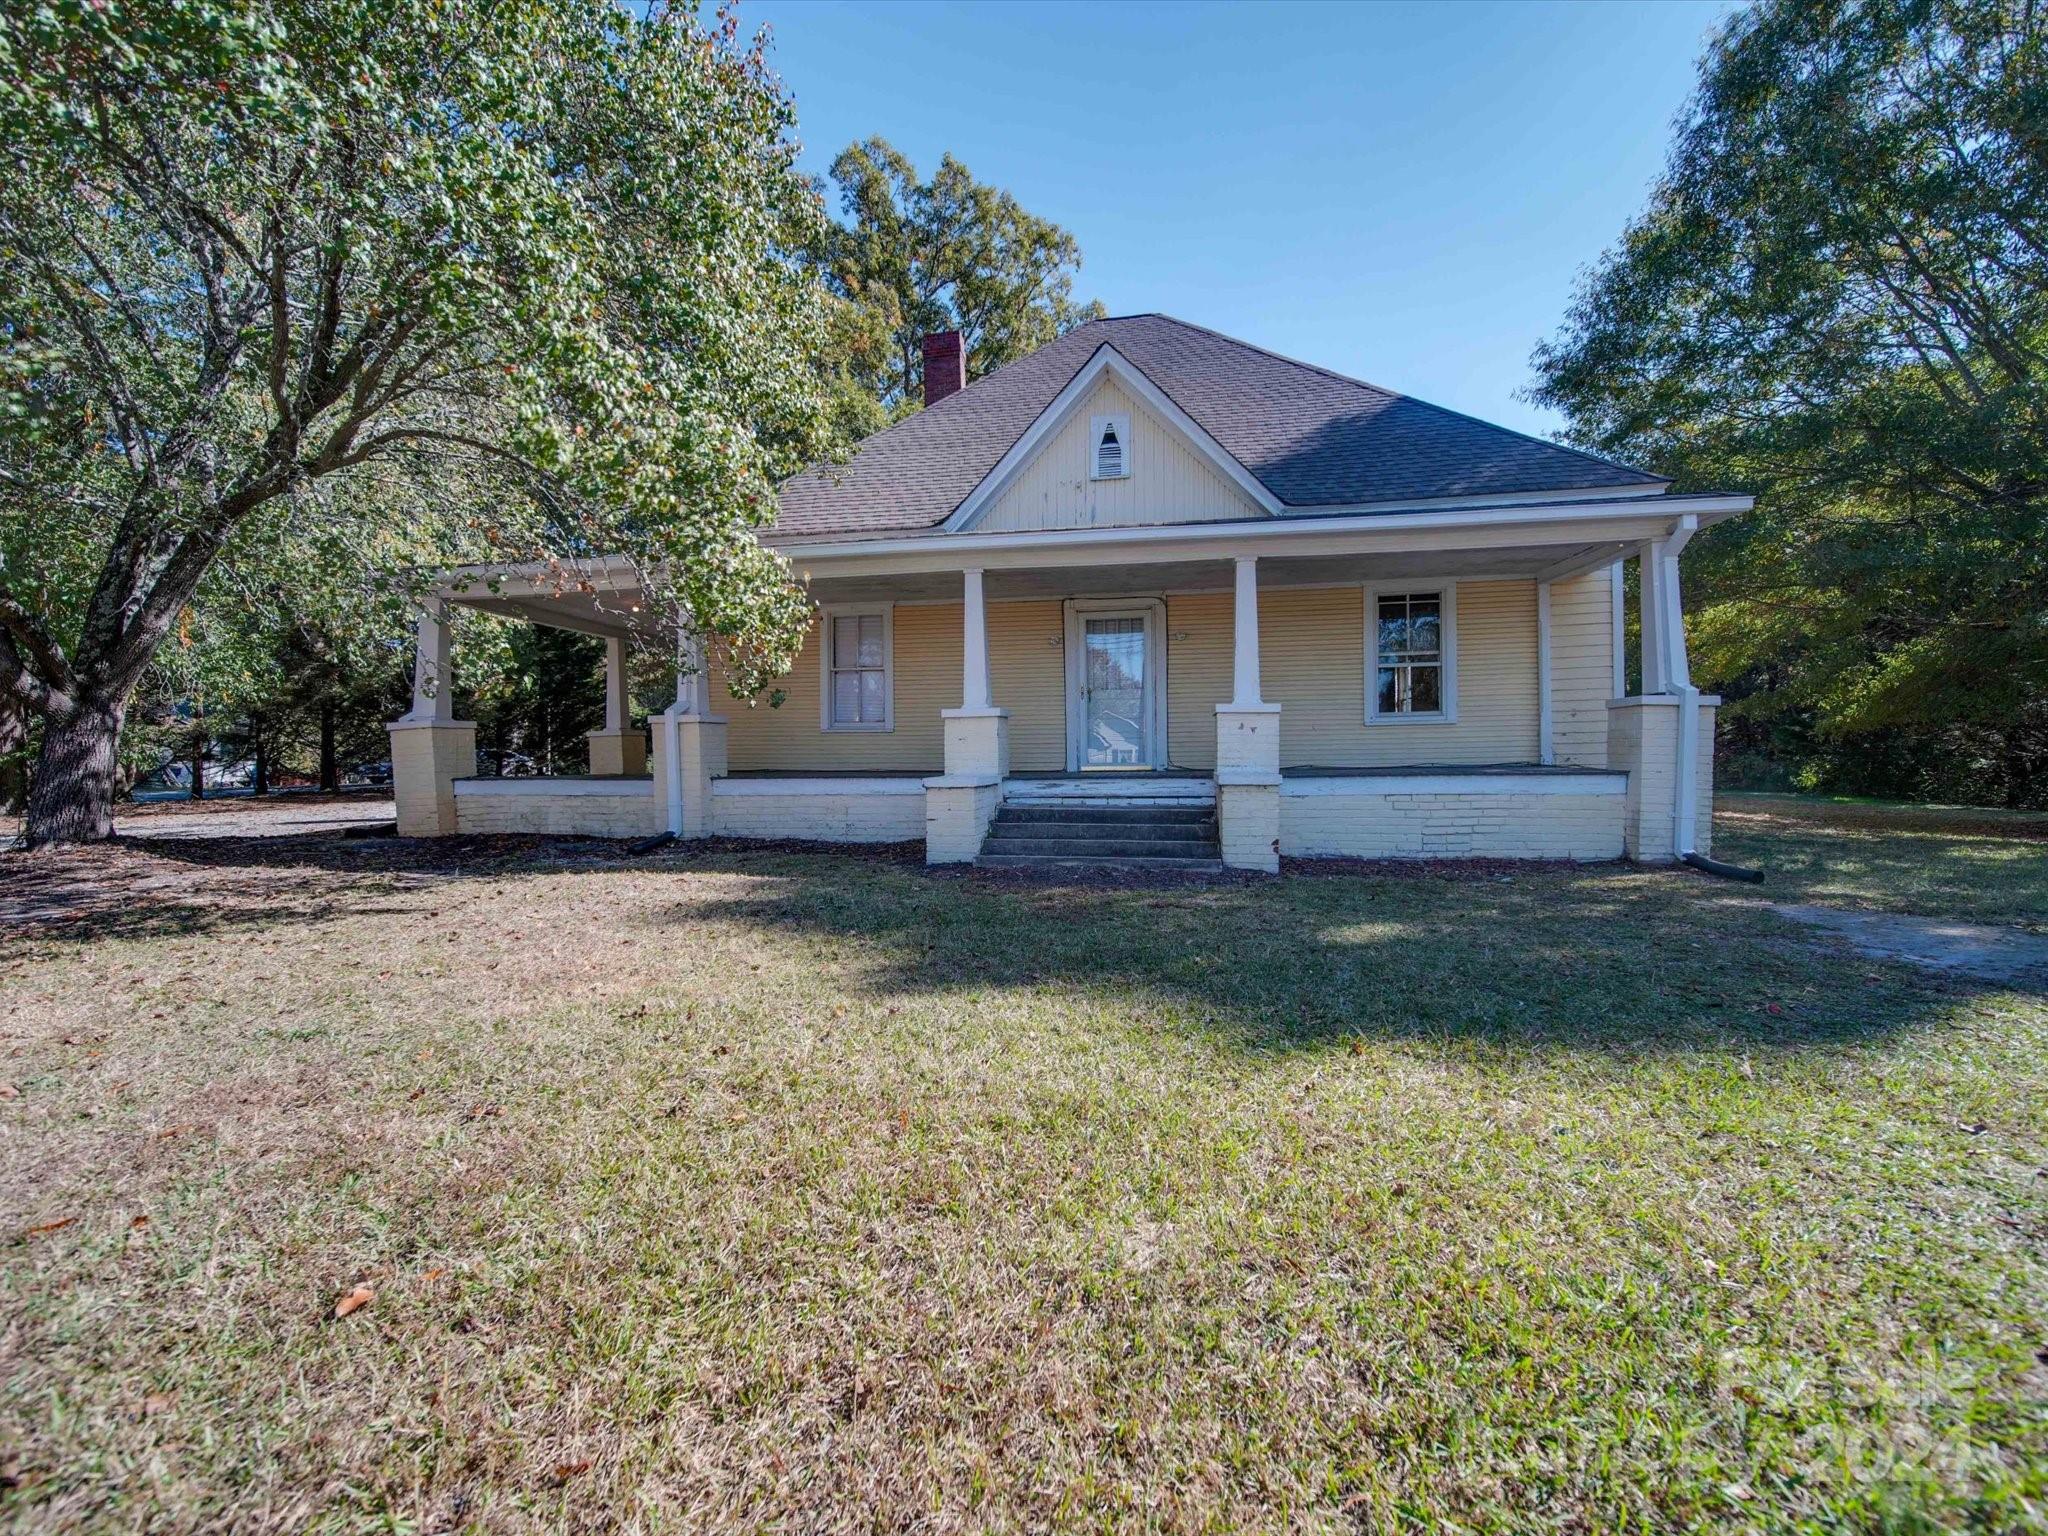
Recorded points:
(1115, 719)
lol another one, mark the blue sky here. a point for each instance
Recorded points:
(1400, 192)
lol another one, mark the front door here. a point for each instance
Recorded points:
(1116, 690)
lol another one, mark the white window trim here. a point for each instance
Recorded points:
(826, 614)
(1447, 590)
(1121, 421)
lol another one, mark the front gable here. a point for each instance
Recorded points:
(1177, 473)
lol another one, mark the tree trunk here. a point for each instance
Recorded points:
(330, 770)
(261, 786)
(71, 796)
(199, 764)
(13, 738)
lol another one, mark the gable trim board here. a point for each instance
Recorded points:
(1110, 363)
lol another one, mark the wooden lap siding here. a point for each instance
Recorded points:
(1027, 671)
(1581, 668)
(1312, 647)
(1167, 483)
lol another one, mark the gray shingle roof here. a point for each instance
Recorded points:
(1312, 437)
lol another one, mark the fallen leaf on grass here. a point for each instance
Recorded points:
(50, 1226)
(484, 1111)
(354, 1301)
(569, 1469)
(9, 1091)
(138, 1224)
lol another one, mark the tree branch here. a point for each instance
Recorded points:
(18, 682)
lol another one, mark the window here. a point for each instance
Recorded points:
(1111, 436)
(857, 694)
(1412, 654)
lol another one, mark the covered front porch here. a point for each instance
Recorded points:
(1387, 686)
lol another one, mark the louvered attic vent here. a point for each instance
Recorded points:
(1112, 439)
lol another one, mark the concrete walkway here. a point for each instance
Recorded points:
(1978, 950)
(284, 815)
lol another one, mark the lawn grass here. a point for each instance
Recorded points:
(735, 1191)
(1929, 860)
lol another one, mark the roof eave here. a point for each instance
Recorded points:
(1707, 508)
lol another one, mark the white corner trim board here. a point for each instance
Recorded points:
(818, 786)
(612, 787)
(1475, 784)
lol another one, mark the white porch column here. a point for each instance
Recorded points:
(693, 692)
(1678, 674)
(1247, 744)
(1647, 600)
(960, 803)
(617, 749)
(1617, 603)
(1664, 738)
(1663, 622)
(1546, 750)
(433, 676)
(1671, 619)
(615, 683)
(430, 748)
(973, 644)
(1244, 672)
(689, 741)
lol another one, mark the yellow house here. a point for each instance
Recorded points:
(1153, 595)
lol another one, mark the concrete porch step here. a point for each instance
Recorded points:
(1077, 837)
(1103, 847)
(1151, 831)
(1115, 790)
(1010, 813)
(1081, 865)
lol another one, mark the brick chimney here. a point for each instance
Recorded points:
(945, 366)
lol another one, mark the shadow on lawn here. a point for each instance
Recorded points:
(1600, 958)
(1544, 959)
(145, 888)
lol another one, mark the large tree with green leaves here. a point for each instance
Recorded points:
(1838, 298)
(916, 257)
(448, 279)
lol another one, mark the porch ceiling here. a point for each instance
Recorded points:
(1216, 575)
(588, 613)
(610, 603)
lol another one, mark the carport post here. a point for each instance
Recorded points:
(430, 748)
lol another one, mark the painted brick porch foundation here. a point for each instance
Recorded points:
(1538, 814)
